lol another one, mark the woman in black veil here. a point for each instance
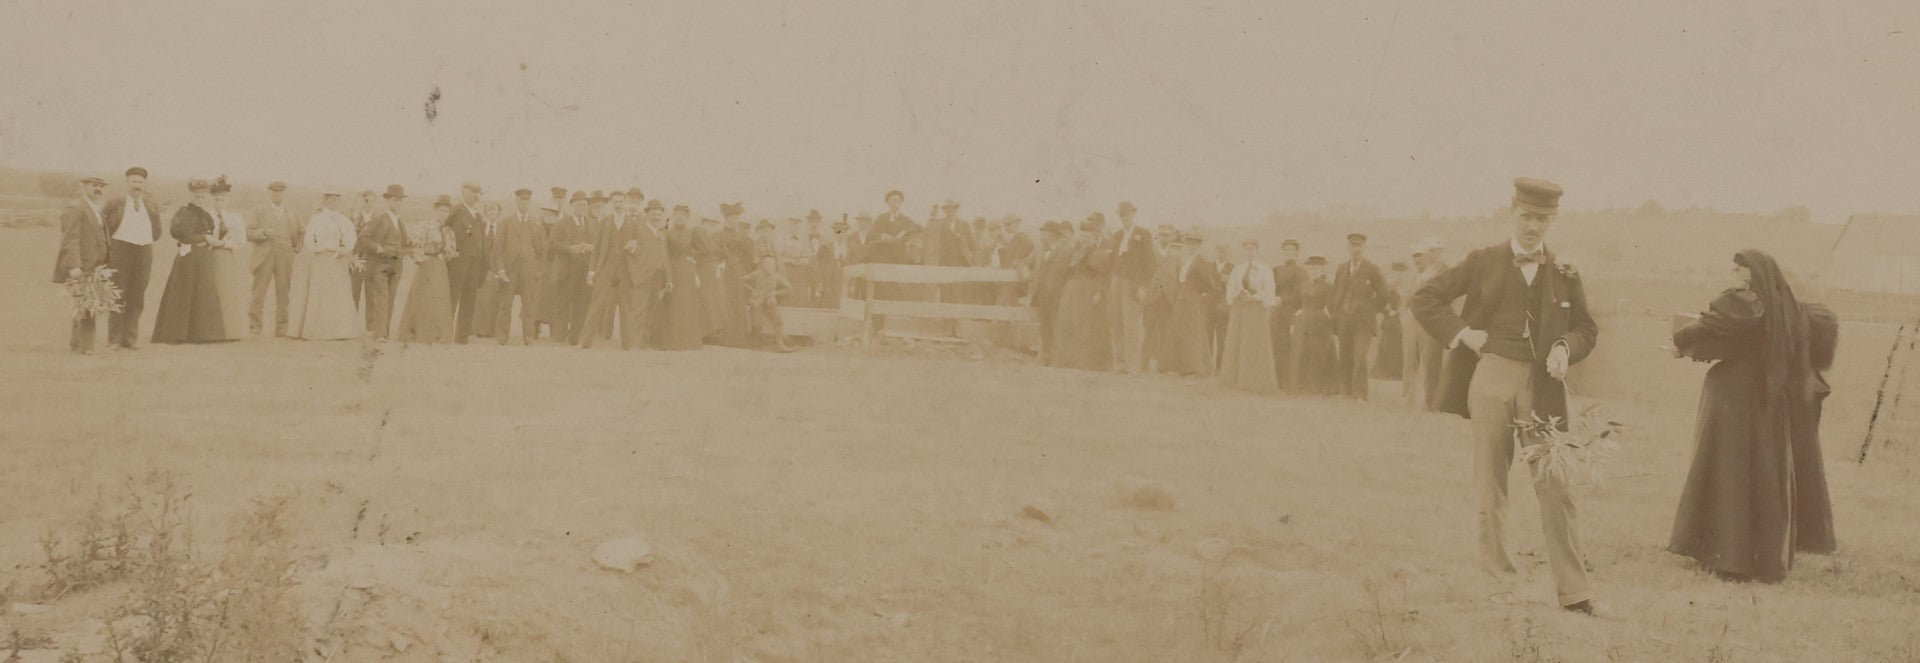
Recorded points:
(1757, 492)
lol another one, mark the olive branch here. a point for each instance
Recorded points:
(1574, 456)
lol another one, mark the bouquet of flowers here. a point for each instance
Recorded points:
(356, 263)
(1574, 456)
(93, 293)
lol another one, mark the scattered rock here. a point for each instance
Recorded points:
(1035, 513)
(624, 555)
(1145, 495)
(1286, 518)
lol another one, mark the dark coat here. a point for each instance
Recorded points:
(382, 242)
(1358, 296)
(83, 241)
(646, 263)
(1756, 494)
(1139, 261)
(1479, 278)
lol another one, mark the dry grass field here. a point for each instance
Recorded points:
(836, 504)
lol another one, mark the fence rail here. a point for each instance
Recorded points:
(22, 217)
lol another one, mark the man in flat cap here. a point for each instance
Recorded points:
(467, 269)
(518, 250)
(1525, 321)
(132, 225)
(1360, 294)
(1134, 261)
(276, 234)
(83, 248)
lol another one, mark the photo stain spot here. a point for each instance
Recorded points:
(433, 104)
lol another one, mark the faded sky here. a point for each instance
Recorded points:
(1200, 112)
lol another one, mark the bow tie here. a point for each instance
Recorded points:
(1537, 257)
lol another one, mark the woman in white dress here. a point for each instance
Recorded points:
(1247, 360)
(321, 303)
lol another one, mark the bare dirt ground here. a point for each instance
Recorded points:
(443, 504)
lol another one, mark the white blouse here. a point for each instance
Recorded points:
(330, 230)
(1251, 278)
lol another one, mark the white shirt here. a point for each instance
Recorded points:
(1530, 269)
(98, 215)
(137, 234)
(1187, 266)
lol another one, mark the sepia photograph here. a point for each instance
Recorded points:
(610, 331)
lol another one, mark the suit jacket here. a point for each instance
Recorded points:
(116, 209)
(1480, 277)
(1358, 294)
(948, 241)
(1052, 268)
(291, 233)
(382, 242)
(83, 240)
(860, 250)
(1140, 259)
(567, 232)
(647, 263)
(882, 249)
(470, 243)
(1019, 248)
(518, 247)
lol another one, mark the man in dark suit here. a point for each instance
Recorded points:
(574, 241)
(380, 246)
(83, 248)
(1134, 259)
(629, 273)
(1051, 266)
(1359, 297)
(362, 216)
(517, 251)
(467, 270)
(130, 256)
(1525, 321)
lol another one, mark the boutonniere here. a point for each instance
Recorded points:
(1567, 270)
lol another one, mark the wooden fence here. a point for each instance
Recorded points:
(29, 217)
(863, 308)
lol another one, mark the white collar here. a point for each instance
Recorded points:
(1518, 251)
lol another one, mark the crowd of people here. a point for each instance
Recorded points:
(584, 267)
(1491, 338)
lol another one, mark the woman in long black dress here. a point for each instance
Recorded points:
(190, 309)
(1757, 493)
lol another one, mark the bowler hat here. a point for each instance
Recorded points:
(655, 205)
(559, 191)
(1536, 195)
(444, 201)
(523, 193)
(732, 209)
(578, 197)
(597, 197)
(394, 191)
(763, 225)
(634, 192)
(277, 186)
